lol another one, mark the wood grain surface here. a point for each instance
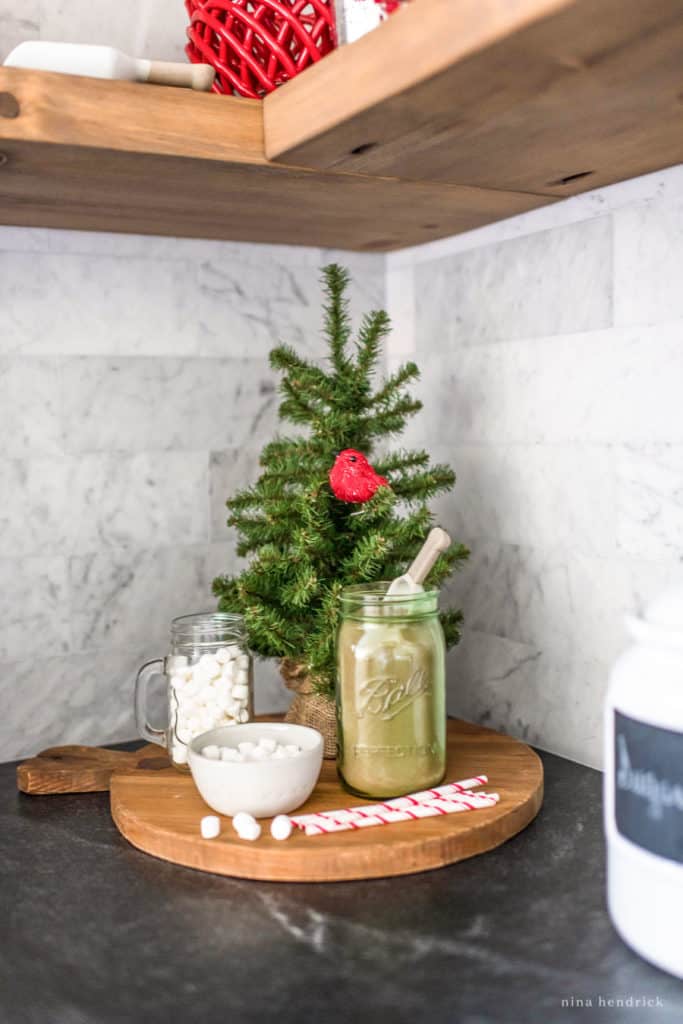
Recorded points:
(550, 97)
(78, 769)
(118, 156)
(447, 117)
(159, 811)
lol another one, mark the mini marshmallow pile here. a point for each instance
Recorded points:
(212, 692)
(265, 750)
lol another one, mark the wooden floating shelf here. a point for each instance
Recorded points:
(544, 97)
(115, 156)
(447, 117)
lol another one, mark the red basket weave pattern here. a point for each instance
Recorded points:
(256, 45)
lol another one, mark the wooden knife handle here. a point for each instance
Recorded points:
(77, 769)
(189, 76)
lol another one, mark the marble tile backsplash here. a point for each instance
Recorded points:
(136, 395)
(145, 28)
(531, 278)
(552, 361)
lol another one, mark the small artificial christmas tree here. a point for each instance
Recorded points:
(306, 544)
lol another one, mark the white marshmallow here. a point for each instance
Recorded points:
(211, 751)
(241, 677)
(228, 653)
(209, 662)
(242, 661)
(240, 692)
(230, 754)
(250, 832)
(210, 826)
(291, 750)
(246, 748)
(179, 753)
(281, 827)
(279, 753)
(243, 715)
(181, 735)
(203, 684)
(242, 820)
(259, 754)
(268, 743)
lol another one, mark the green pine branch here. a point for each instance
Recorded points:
(304, 544)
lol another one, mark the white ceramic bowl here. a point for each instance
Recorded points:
(261, 788)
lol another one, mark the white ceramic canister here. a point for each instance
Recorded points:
(644, 786)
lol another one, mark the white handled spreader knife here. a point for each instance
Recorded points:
(106, 62)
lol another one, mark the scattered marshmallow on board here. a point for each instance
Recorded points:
(250, 831)
(210, 826)
(281, 827)
(246, 826)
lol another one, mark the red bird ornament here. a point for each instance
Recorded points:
(353, 479)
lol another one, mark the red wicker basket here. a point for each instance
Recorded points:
(256, 45)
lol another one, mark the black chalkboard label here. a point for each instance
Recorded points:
(648, 786)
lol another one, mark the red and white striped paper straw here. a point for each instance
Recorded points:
(367, 817)
(452, 797)
(447, 791)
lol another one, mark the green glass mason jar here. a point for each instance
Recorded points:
(391, 692)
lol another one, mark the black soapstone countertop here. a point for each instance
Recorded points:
(95, 931)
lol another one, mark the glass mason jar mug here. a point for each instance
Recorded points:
(209, 676)
(391, 694)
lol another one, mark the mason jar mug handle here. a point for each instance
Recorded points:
(147, 731)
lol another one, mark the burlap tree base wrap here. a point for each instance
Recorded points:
(308, 707)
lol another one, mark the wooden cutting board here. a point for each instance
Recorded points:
(75, 769)
(159, 810)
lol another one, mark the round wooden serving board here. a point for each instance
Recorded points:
(159, 810)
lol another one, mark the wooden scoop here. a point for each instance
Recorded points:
(412, 580)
